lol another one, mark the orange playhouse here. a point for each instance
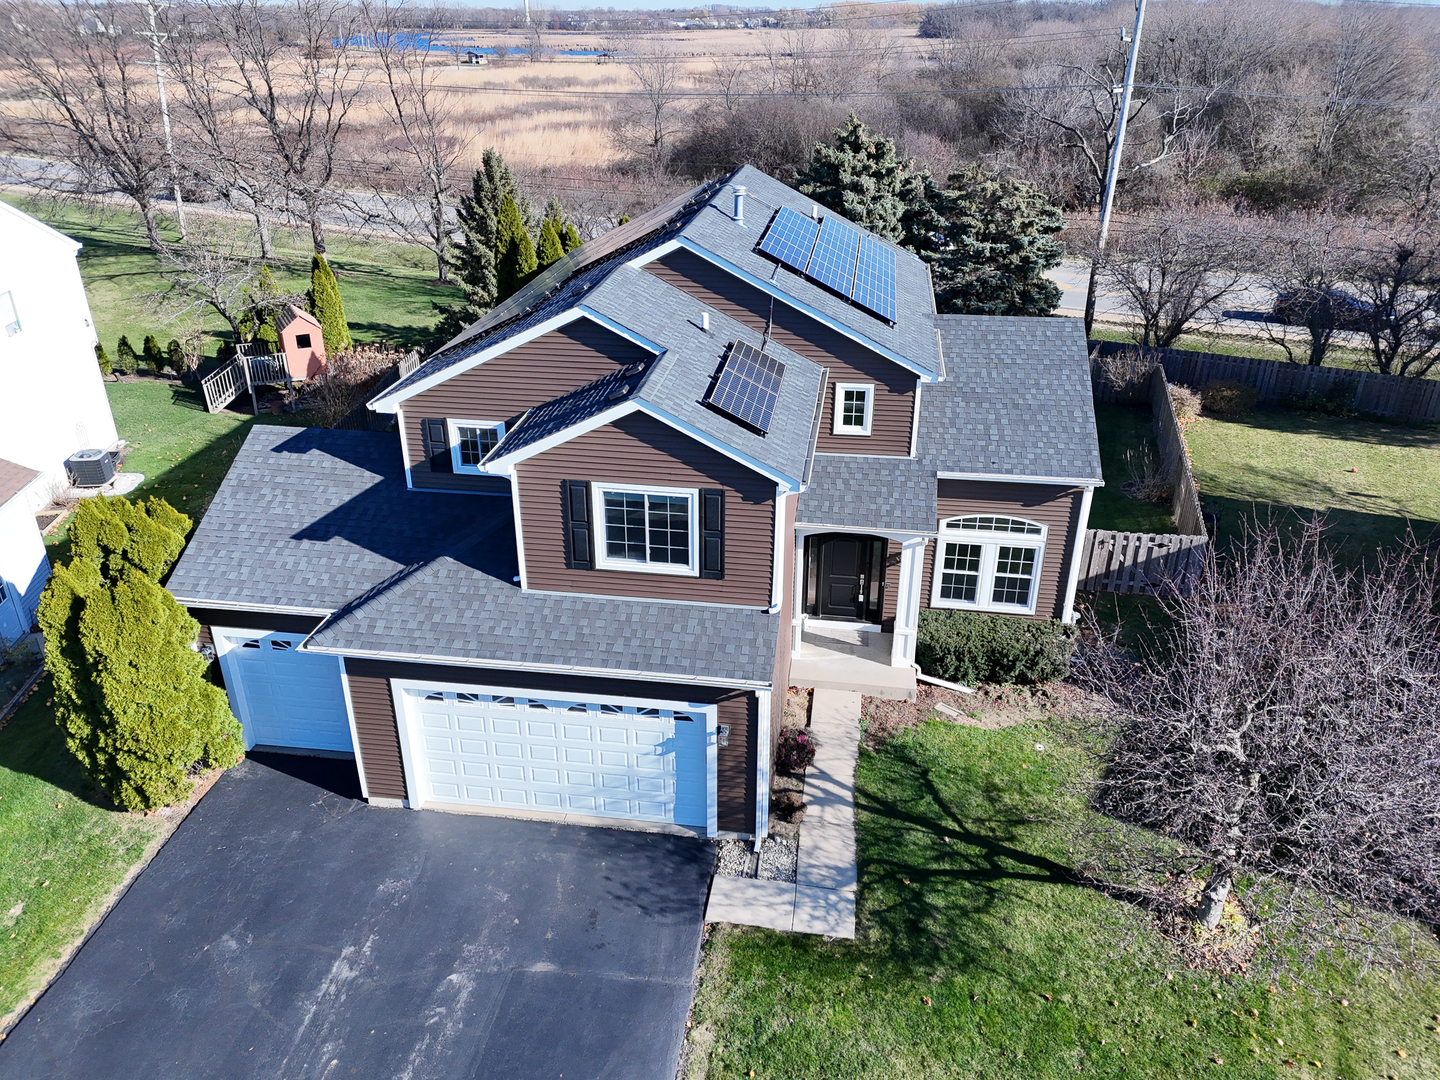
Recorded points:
(302, 343)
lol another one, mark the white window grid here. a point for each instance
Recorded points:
(471, 440)
(854, 408)
(981, 562)
(634, 562)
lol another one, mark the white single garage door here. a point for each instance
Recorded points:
(283, 697)
(600, 757)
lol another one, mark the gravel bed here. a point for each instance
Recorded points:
(779, 857)
(736, 859)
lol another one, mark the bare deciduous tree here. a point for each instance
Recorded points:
(1176, 266)
(98, 114)
(645, 124)
(1307, 259)
(215, 269)
(1279, 744)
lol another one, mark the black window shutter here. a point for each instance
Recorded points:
(712, 532)
(437, 445)
(579, 546)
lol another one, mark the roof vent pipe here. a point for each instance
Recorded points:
(705, 321)
(740, 205)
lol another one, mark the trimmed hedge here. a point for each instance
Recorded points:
(969, 648)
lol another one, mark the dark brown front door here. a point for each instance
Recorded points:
(847, 572)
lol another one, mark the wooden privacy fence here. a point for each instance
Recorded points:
(1184, 495)
(1394, 396)
(1123, 562)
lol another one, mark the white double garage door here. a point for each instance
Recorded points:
(500, 747)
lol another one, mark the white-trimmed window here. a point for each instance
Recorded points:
(986, 562)
(650, 529)
(854, 408)
(470, 441)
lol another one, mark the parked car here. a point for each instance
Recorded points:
(1343, 311)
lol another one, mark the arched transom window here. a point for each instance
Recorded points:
(987, 562)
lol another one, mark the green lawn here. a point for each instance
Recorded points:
(965, 899)
(1121, 428)
(1343, 356)
(62, 851)
(387, 287)
(1273, 460)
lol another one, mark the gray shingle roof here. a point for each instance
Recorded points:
(320, 520)
(14, 479)
(1016, 402)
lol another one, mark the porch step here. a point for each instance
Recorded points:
(839, 672)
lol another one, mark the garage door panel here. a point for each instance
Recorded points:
(629, 762)
(290, 698)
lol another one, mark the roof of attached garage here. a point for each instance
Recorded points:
(1016, 402)
(320, 520)
(14, 479)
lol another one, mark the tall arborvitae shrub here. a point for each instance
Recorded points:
(130, 691)
(570, 237)
(103, 359)
(154, 358)
(326, 305)
(175, 356)
(125, 360)
(515, 255)
(551, 250)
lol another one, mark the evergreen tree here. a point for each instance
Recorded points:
(860, 176)
(125, 360)
(570, 237)
(327, 306)
(515, 253)
(175, 356)
(103, 359)
(551, 250)
(1001, 235)
(130, 692)
(264, 303)
(473, 258)
(152, 354)
(565, 231)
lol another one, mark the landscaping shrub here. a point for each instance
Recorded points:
(1229, 398)
(152, 354)
(125, 360)
(175, 356)
(103, 359)
(1186, 402)
(1338, 401)
(795, 752)
(130, 691)
(970, 648)
(327, 306)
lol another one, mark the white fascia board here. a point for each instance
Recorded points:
(622, 331)
(390, 401)
(784, 297)
(807, 528)
(1005, 478)
(505, 464)
(554, 669)
(274, 609)
(654, 254)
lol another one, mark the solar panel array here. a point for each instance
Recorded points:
(747, 386)
(837, 256)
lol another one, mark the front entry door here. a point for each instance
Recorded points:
(848, 575)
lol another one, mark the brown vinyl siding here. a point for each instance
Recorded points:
(735, 763)
(1056, 507)
(640, 450)
(502, 388)
(847, 360)
(378, 734)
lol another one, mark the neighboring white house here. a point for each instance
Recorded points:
(52, 398)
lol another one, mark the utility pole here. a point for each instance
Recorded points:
(1113, 172)
(155, 38)
(527, 12)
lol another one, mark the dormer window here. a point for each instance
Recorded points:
(985, 562)
(854, 408)
(471, 440)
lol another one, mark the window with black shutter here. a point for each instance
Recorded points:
(437, 445)
(712, 532)
(579, 544)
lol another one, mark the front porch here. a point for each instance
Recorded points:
(841, 657)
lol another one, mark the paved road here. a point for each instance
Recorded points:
(289, 930)
(1244, 311)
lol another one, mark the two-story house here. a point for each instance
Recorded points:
(723, 449)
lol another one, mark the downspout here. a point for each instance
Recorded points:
(1068, 617)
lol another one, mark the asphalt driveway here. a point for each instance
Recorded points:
(290, 930)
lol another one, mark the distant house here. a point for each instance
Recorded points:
(52, 398)
(302, 342)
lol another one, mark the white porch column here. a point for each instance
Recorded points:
(907, 604)
(797, 599)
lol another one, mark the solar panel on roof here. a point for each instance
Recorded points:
(747, 386)
(832, 263)
(790, 238)
(875, 278)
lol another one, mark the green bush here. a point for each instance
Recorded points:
(125, 361)
(1229, 398)
(175, 356)
(103, 359)
(327, 306)
(129, 689)
(970, 648)
(1338, 401)
(154, 358)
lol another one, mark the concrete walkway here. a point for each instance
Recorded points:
(822, 899)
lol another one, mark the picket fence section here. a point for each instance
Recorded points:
(1124, 562)
(1395, 397)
